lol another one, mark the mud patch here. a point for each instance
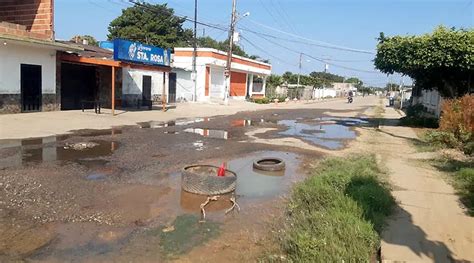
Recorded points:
(185, 233)
(74, 241)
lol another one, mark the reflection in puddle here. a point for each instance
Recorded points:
(256, 183)
(191, 202)
(248, 123)
(48, 150)
(178, 122)
(326, 132)
(171, 132)
(218, 134)
(198, 145)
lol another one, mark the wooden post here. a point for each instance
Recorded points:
(113, 91)
(163, 92)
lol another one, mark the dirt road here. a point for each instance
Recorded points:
(121, 200)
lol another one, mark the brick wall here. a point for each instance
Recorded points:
(27, 18)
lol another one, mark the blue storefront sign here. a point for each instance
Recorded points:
(107, 45)
(125, 50)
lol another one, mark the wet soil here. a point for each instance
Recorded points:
(121, 200)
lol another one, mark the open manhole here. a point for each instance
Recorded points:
(203, 180)
(269, 164)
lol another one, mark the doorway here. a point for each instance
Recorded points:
(172, 88)
(146, 91)
(30, 88)
(79, 86)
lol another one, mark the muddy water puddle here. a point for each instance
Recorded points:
(48, 150)
(256, 183)
(327, 132)
(167, 218)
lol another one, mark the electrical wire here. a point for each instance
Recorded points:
(310, 41)
(316, 58)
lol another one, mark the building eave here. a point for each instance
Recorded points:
(6, 39)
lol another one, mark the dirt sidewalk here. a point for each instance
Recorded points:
(429, 224)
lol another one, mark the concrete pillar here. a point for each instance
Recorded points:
(264, 86)
(251, 85)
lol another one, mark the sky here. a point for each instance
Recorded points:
(280, 30)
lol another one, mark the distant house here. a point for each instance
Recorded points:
(247, 78)
(305, 92)
(343, 88)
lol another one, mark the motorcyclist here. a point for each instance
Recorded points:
(349, 96)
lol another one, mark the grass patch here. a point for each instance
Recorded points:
(338, 213)
(462, 176)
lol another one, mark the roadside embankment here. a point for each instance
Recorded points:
(337, 213)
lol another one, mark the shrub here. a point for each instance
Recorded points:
(458, 116)
(261, 100)
(280, 98)
(336, 215)
(457, 119)
(465, 185)
(440, 138)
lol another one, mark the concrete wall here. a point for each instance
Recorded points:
(12, 56)
(132, 85)
(184, 85)
(324, 93)
(431, 99)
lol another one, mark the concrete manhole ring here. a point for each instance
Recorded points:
(269, 164)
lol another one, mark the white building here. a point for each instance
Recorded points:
(248, 76)
(343, 88)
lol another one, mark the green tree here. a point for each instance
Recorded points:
(290, 78)
(153, 24)
(328, 77)
(392, 87)
(442, 60)
(274, 81)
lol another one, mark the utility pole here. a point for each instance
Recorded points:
(299, 72)
(195, 51)
(227, 71)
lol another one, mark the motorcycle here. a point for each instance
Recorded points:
(349, 99)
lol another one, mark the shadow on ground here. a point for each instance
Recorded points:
(404, 227)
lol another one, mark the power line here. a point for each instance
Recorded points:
(266, 52)
(283, 14)
(269, 12)
(313, 42)
(315, 58)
